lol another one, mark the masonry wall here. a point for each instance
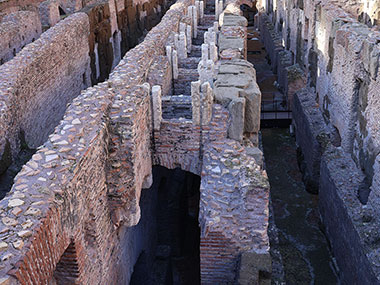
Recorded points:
(17, 30)
(37, 84)
(341, 59)
(337, 47)
(76, 189)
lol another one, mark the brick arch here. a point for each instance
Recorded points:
(188, 162)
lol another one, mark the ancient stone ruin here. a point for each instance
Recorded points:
(136, 138)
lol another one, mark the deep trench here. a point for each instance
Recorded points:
(300, 251)
(174, 258)
(26, 153)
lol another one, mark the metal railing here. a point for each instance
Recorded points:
(275, 110)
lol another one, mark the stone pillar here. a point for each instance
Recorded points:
(206, 103)
(212, 34)
(220, 7)
(205, 37)
(190, 13)
(195, 22)
(206, 66)
(204, 49)
(169, 53)
(175, 64)
(236, 109)
(188, 38)
(197, 7)
(157, 107)
(196, 102)
(217, 10)
(182, 49)
(182, 27)
(213, 52)
(201, 9)
(216, 27)
(176, 44)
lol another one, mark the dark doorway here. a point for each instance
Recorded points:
(176, 260)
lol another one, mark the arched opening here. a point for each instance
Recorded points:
(175, 257)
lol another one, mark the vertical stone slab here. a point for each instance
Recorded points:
(195, 22)
(212, 34)
(190, 14)
(216, 27)
(169, 53)
(204, 49)
(213, 52)
(182, 49)
(220, 7)
(206, 71)
(197, 7)
(176, 41)
(182, 27)
(175, 64)
(157, 107)
(188, 38)
(201, 9)
(237, 113)
(217, 10)
(196, 102)
(206, 105)
(205, 37)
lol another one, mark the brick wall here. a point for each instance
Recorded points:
(219, 261)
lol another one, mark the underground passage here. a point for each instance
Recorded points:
(189, 142)
(174, 257)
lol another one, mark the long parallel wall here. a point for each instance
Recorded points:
(17, 30)
(114, 28)
(37, 84)
(336, 46)
(48, 212)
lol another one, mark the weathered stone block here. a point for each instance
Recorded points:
(237, 113)
(252, 96)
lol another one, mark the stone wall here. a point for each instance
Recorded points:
(355, 236)
(73, 212)
(75, 182)
(341, 58)
(233, 213)
(17, 30)
(115, 28)
(38, 83)
(233, 216)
